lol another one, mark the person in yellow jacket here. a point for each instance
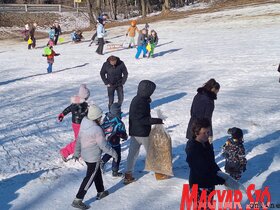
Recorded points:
(131, 33)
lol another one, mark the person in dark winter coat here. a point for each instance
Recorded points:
(234, 152)
(114, 130)
(203, 105)
(90, 145)
(57, 32)
(79, 109)
(201, 159)
(140, 122)
(114, 75)
(32, 36)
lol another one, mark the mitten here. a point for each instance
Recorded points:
(60, 117)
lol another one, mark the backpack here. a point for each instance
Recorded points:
(112, 127)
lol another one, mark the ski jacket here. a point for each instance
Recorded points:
(140, 119)
(234, 153)
(50, 58)
(78, 110)
(57, 30)
(131, 31)
(114, 75)
(203, 168)
(142, 40)
(100, 30)
(202, 107)
(114, 129)
(153, 39)
(91, 142)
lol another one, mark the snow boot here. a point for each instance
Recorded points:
(160, 176)
(101, 195)
(128, 178)
(117, 174)
(78, 203)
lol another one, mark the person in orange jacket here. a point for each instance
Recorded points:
(131, 33)
(50, 53)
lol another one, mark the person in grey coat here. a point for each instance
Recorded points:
(90, 144)
(203, 105)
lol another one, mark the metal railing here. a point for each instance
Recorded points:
(36, 8)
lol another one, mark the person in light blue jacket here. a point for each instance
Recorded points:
(90, 144)
(100, 36)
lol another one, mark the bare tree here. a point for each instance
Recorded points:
(143, 8)
(166, 6)
(92, 19)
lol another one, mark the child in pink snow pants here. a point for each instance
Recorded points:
(79, 109)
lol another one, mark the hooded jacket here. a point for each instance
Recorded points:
(140, 119)
(114, 75)
(91, 142)
(78, 110)
(202, 107)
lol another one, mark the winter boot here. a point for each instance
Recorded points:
(101, 195)
(160, 176)
(117, 174)
(78, 203)
(128, 178)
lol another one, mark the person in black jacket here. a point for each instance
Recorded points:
(57, 32)
(203, 105)
(140, 122)
(32, 36)
(79, 109)
(114, 75)
(201, 159)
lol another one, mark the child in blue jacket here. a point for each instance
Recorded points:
(142, 43)
(114, 130)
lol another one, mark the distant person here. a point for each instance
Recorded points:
(104, 17)
(90, 145)
(140, 123)
(153, 41)
(234, 153)
(203, 105)
(100, 35)
(57, 30)
(131, 32)
(25, 32)
(32, 42)
(77, 36)
(114, 75)
(50, 53)
(142, 43)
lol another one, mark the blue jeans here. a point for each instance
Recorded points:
(50, 68)
(115, 165)
(139, 50)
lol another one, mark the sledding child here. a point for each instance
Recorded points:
(114, 130)
(152, 42)
(50, 53)
(131, 33)
(234, 153)
(142, 43)
(79, 109)
(77, 36)
(90, 144)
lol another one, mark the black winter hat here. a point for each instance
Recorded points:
(236, 133)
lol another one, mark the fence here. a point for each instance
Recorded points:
(37, 8)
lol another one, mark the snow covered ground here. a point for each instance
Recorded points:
(239, 48)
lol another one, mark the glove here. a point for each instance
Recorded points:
(60, 117)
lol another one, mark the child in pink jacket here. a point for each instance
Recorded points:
(79, 109)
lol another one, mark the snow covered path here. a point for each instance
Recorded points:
(239, 48)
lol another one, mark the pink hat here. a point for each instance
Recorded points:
(84, 92)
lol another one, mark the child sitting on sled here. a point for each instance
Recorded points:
(77, 36)
(234, 153)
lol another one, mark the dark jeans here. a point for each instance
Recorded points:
(111, 94)
(93, 175)
(100, 46)
(50, 68)
(115, 165)
(56, 39)
(33, 45)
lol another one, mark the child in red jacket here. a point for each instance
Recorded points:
(50, 53)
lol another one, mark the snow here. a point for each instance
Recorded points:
(238, 47)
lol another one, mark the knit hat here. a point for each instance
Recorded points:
(236, 133)
(115, 109)
(94, 112)
(84, 92)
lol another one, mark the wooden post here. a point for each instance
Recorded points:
(59, 7)
(25, 8)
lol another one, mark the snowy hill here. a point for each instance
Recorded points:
(239, 48)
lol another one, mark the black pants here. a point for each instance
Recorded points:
(33, 43)
(111, 94)
(115, 165)
(100, 46)
(94, 36)
(93, 175)
(56, 39)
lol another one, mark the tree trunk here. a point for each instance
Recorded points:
(166, 6)
(90, 13)
(143, 8)
(98, 10)
(148, 7)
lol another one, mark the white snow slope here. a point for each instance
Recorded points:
(239, 48)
